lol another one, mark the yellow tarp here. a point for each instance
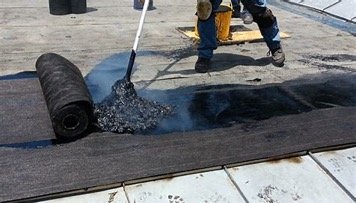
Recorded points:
(236, 37)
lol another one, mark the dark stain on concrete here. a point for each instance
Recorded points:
(275, 161)
(112, 197)
(266, 194)
(296, 160)
(330, 62)
(335, 57)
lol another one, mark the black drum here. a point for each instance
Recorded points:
(60, 7)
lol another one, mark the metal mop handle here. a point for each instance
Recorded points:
(138, 36)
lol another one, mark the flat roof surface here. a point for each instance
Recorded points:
(316, 177)
(321, 57)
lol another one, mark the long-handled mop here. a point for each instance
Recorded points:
(123, 111)
(138, 36)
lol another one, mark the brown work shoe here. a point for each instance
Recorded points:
(278, 57)
(202, 65)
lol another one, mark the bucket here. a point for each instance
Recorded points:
(138, 4)
(59, 7)
(79, 6)
(222, 22)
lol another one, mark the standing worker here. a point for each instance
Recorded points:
(263, 16)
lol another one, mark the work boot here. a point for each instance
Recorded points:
(246, 17)
(202, 65)
(278, 57)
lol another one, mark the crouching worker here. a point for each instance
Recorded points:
(263, 16)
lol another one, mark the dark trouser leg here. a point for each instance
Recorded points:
(265, 20)
(207, 33)
(236, 7)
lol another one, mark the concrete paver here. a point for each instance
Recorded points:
(214, 186)
(297, 179)
(342, 165)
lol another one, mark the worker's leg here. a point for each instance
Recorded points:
(268, 26)
(236, 8)
(207, 34)
(266, 21)
(235, 3)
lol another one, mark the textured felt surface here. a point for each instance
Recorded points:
(106, 158)
(24, 114)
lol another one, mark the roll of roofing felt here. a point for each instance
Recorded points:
(60, 7)
(68, 100)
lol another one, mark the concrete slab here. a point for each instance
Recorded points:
(296, 179)
(342, 165)
(212, 186)
(116, 195)
(344, 9)
(318, 4)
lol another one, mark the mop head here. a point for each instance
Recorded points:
(123, 111)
